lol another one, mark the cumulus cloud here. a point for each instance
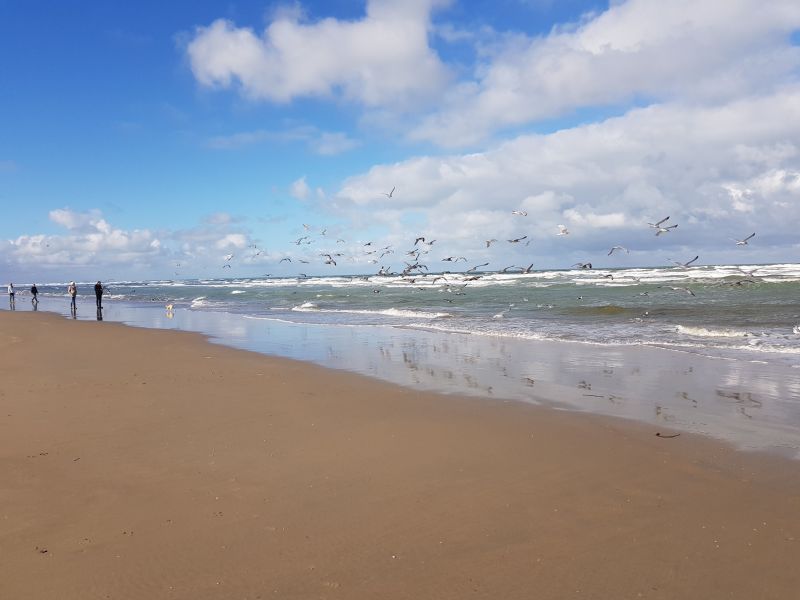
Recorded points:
(379, 60)
(703, 51)
(90, 241)
(719, 171)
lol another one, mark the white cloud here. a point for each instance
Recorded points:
(704, 50)
(382, 59)
(719, 171)
(91, 241)
(300, 189)
(330, 144)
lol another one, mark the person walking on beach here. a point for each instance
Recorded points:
(98, 293)
(35, 294)
(72, 290)
(11, 296)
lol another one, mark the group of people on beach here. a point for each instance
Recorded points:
(72, 292)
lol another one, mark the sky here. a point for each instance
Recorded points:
(191, 138)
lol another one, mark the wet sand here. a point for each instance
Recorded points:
(152, 464)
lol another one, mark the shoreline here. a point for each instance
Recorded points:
(749, 404)
(155, 464)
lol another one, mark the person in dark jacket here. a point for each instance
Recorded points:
(98, 292)
(35, 294)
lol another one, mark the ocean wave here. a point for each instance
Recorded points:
(388, 312)
(705, 332)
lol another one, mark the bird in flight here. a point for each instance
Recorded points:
(562, 230)
(743, 242)
(684, 264)
(583, 265)
(490, 242)
(521, 213)
(390, 194)
(516, 240)
(613, 248)
(657, 224)
(678, 289)
(661, 230)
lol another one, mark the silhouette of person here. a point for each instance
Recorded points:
(11, 303)
(35, 294)
(98, 293)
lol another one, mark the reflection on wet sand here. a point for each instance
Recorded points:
(754, 405)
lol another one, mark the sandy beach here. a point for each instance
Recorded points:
(153, 464)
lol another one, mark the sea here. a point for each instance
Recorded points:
(704, 349)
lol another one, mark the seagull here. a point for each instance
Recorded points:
(228, 257)
(686, 264)
(454, 259)
(283, 259)
(299, 241)
(476, 267)
(657, 224)
(419, 239)
(678, 289)
(744, 241)
(390, 194)
(516, 240)
(562, 230)
(490, 242)
(661, 230)
(583, 265)
(521, 213)
(613, 248)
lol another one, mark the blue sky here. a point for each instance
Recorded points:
(147, 139)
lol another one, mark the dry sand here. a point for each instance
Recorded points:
(150, 464)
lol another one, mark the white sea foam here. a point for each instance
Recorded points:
(705, 332)
(388, 312)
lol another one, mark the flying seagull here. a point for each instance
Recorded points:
(390, 194)
(490, 242)
(562, 230)
(516, 240)
(583, 265)
(613, 248)
(684, 264)
(521, 213)
(744, 241)
(661, 230)
(678, 289)
(657, 224)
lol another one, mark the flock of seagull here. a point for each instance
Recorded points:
(416, 269)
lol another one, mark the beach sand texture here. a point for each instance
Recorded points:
(153, 464)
